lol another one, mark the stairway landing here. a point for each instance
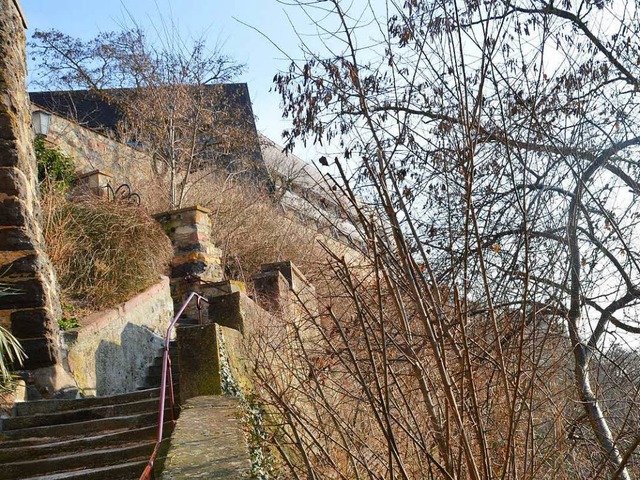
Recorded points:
(208, 441)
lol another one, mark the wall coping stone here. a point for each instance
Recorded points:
(194, 208)
(21, 13)
(208, 442)
(94, 172)
(95, 322)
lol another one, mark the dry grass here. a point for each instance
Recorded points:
(103, 252)
(249, 227)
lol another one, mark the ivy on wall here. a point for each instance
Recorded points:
(54, 166)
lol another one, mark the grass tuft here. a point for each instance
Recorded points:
(103, 252)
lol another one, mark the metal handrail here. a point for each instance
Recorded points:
(166, 371)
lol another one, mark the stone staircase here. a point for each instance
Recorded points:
(108, 437)
(90, 438)
(153, 377)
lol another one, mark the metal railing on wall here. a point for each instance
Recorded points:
(122, 193)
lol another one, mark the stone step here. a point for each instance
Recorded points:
(188, 321)
(80, 415)
(124, 471)
(50, 406)
(156, 370)
(77, 460)
(156, 380)
(50, 446)
(79, 429)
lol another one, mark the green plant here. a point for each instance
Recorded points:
(11, 352)
(67, 323)
(54, 166)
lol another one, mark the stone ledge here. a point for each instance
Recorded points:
(95, 322)
(208, 442)
(195, 208)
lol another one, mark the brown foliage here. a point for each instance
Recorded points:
(103, 252)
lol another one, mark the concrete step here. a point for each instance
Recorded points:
(51, 446)
(153, 381)
(79, 429)
(50, 406)
(80, 415)
(77, 460)
(124, 471)
(156, 370)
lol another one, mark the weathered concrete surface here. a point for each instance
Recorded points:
(199, 355)
(109, 353)
(32, 312)
(208, 442)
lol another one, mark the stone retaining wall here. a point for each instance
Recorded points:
(110, 351)
(93, 151)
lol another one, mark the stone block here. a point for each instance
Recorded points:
(297, 281)
(199, 361)
(9, 149)
(94, 182)
(303, 291)
(14, 212)
(41, 352)
(199, 268)
(226, 310)
(14, 238)
(18, 265)
(28, 294)
(13, 182)
(25, 294)
(32, 323)
(272, 291)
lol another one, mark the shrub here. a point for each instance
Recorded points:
(54, 167)
(104, 252)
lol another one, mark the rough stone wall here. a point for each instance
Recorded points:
(32, 312)
(109, 353)
(93, 151)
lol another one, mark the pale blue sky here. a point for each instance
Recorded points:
(215, 18)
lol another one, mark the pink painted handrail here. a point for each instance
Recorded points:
(166, 372)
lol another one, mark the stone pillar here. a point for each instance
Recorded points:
(272, 291)
(94, 182)
(194, 253)
(199, 356)
(32, 310)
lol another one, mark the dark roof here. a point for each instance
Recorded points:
(91, 110)
(87, 108)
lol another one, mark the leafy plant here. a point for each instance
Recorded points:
(54, 166)
(67, 323)
(11, 352)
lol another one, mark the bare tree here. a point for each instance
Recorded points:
(498, 141)
(167, 94)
